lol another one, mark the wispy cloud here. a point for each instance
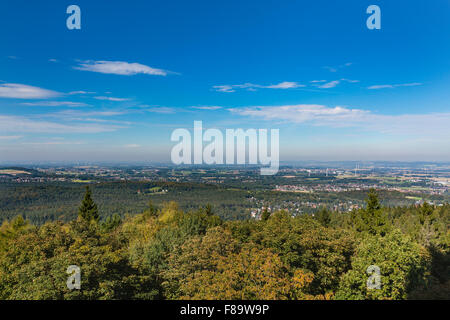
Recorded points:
(284, 85)
(164, 110)
(78, 113)
(323, 84)
(88, 116)
(56, 104)
(432, 124)
(10, 137)
(300, 113)
(119, 67)
(226, 88)
(133, 145)
(330, 84)
(22, 91)
(252, 86)
(207, 107)
(337, 68)
(24, 124)
(390, 86)
(80, 92)
(51, 143)
(349, 80)
(111, 98)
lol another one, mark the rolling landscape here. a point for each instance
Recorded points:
(212, 158)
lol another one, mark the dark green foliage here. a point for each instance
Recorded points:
(371, 219)
(168, 253)
(208, 209)
(324, 217)
(111, 223)
(403, 268)
(88, 210)
(151, 211)
(265, 214)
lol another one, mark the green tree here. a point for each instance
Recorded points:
(403, 264)
(265, 215)
(208, 209)
(111, 223)
(324, 217)
(371, 219)
(151, 211)
(88, 210)
(426, 213)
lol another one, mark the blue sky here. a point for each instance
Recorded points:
(137, 70)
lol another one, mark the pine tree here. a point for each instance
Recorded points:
(324, 217)
(151, 211)
(265, 214)
(208, 209)
(371, 219)
(372, 201)
(426, 213)
(373, 216)
(88, 210)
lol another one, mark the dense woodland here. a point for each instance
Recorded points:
(43, 202)
(165, 253)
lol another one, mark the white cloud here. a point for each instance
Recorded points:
(282, 85)
(253, 87)
(56, 104)
(224, 88)
(23, 124)
(48, 143)
(323, 84)
(80, 92)
(330, 84)
(207, 107)
(300, 113)
(111, 98)
(133, 145)
(390, 86)
(164, 110)
(119, 67)
(349, 80)
(285, 85)
(10, 137)
(432, 124)
(77, 113)
(22, 91)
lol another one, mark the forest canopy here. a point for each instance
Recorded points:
(167, 253)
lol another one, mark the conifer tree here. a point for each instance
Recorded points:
(88, 210)
(151, 210)
(324, 217)
(265, 214)
(371, 219)
(208, 209)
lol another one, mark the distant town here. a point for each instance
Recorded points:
(297, 188)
